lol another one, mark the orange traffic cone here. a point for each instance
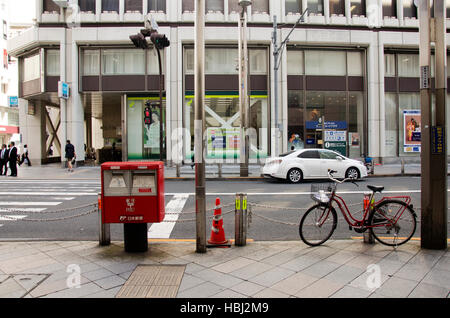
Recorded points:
(217, 238)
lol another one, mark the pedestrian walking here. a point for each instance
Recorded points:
(13, 159)
(70, 155)
(25, 156)
(3, 160)
(6, 160)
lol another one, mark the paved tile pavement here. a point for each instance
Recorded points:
(261, 269)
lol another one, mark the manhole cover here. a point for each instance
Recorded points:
(153, 281)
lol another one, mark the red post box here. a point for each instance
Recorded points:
(133, 193)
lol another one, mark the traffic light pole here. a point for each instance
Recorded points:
(161, 121)
(433, 143)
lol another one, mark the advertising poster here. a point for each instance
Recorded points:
(151, 131)
(412, 135)
(222, 142)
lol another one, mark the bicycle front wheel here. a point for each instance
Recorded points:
(317, 224)
(392, 222)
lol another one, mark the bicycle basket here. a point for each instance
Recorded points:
(322, 192)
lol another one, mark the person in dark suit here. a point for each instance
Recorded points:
(3, 159)
(6, 160)
(13, 159)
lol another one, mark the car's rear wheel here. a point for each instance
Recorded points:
(294, 175)
(352, 173)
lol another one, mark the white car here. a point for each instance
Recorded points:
(297, 165)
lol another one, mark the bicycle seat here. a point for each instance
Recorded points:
(375, 188)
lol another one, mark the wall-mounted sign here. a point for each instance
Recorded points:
(328, 125)
(13, 101)
(437, 140)
(63, 90)
(335, 135)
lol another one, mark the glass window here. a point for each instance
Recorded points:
(355, 124)
(389, 65)
(52, 62)
(447, 5)
(110, 5)
(214, 6)
(260, 6)
(31, 68)
(221, 61)
(326, 154)
(157, 5)
(293, 6)
(233, 6)
(91, 62)
(188, 5)
(315, 6)
(50, 6)
(257, 61)
(325, 63)
(408, 65)
(123, 62)
(295, 120)
(358, 7)
(295, 62)
(390, 8)
(355, 63)
(153, 63)
(337, 7)
(331, 105)
(87, 5)
(133, 5)
(409, 9)
(223, 126)
(309, 154)
(189, 61)
(390, 125)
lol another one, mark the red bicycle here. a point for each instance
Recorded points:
(391, 220)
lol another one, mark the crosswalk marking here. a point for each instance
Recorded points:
(174, 207)
(48, 193)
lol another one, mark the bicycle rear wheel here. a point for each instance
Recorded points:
(317, 224)
(392, 222)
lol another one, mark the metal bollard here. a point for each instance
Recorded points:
(403, 167)
(240, 219)
(219, 167)
(178, 169)
(104, 228)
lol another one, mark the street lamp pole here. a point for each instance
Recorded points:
(199, 127)
(243, 89)
(277, 50)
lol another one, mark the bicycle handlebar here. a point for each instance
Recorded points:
(330, 176)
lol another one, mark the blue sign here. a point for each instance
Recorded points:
(63, 90)
(328, 125)
(13, 101)
(437, 140)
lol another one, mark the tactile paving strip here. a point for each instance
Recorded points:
(153, 281)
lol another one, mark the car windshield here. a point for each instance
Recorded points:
(287, 153)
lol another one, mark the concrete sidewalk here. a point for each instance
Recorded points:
(339, 269)
(54, 171)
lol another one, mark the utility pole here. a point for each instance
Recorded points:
(199, 126)
(433, 143)
(277, 51)
(243, 89)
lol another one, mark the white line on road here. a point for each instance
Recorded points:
(26, 210)
(12, 218)
(30, 203)
(299, 193)
(164, 229)
(49, 193)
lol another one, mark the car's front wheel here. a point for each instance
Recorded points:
(352, 173)
(294, 175)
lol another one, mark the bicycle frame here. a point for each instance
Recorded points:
(359, 223)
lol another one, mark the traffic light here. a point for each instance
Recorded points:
(147, 116)
(139, 40)
(159, 40)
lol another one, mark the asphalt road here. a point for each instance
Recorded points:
(44, 209)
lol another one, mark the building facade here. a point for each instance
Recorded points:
(348, 79)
